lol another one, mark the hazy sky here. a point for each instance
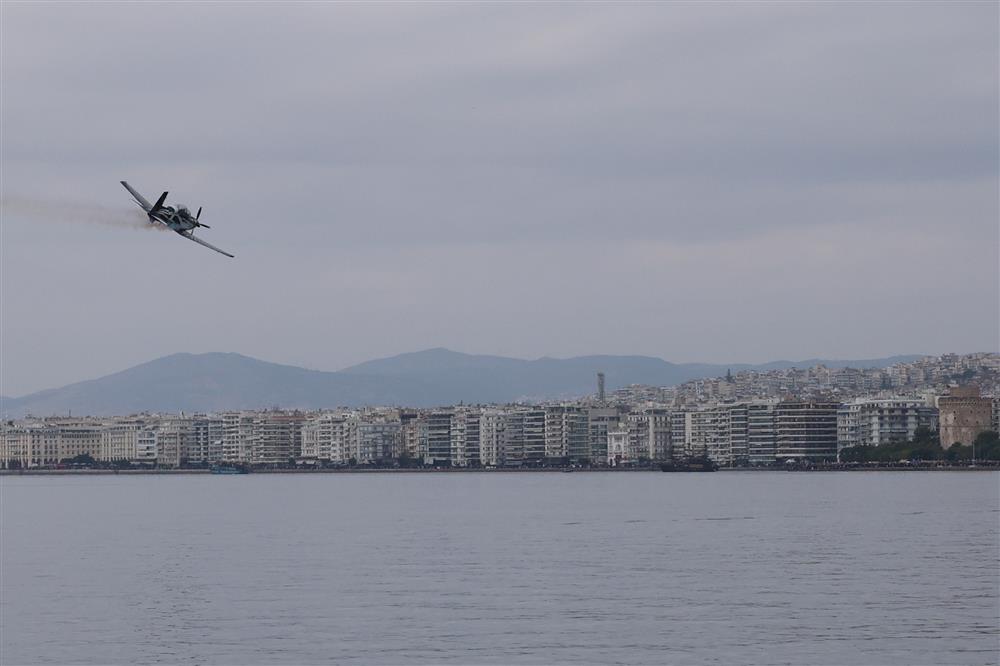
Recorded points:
(716, 182)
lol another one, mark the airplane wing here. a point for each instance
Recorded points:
(191, 236)
(146, 206)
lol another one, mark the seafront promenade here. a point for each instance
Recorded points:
(985, 466)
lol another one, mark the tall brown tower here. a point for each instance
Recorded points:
(962, 415)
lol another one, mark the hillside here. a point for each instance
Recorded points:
(224, 381)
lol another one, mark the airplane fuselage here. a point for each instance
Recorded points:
(178, 220)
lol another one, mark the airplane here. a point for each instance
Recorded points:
(177, 219)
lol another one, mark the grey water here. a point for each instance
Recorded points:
(503, 568)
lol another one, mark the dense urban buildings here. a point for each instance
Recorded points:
(742, 419)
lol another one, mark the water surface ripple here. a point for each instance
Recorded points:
(629, 568)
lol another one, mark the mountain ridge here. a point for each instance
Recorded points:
(218, 381)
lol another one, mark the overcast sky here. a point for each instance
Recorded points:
(713, 182)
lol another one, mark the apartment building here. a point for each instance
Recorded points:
(330, 437)
(871, 422)
(237, 436)
(205, 440)
(533, 433)
(439, 438)
(377, 441)
(25, 446)
(79, 438)
(492, 437)
(762, 442)
(276, 437)
(413, 434)
(806, 430)
(649, 432)
(566, 433)
(600, 421)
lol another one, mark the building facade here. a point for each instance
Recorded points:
(963, 414)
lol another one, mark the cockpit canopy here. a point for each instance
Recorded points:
(182, 209)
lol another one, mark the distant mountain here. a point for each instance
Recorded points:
(220, 381)
(479, 378)
(208, 382)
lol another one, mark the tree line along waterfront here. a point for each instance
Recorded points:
(926, 447)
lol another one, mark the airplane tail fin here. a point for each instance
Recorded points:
(159, 203)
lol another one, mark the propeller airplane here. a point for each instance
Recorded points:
(177, 218)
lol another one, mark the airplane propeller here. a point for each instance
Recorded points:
(197, 215)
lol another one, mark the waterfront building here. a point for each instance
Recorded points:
(48, 442)
(439, 439)
(762, 443)
(513, 438)
(237, 436)
(79, 438)
(806, 430)
(737, 431)
(15, 447)
(963, 414)
(30, 445)
(713, 428)
(329, 437)
(649, 434)
(473, 437)
(599, 421)
(276, 437)
(413, 434)
(119, 438)
(145, 445)
(205, 440)
(678, 434)
(377, 441)
(702, 435)
(162, 443)
(618, 446)
(533, 442)
(566, 433)
(492, 426)
(875, 421)
(458, 444)
(170, 439)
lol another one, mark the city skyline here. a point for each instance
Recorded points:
(627, 429)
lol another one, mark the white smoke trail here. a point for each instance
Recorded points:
(42, 210)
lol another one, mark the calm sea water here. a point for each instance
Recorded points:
(726, 568)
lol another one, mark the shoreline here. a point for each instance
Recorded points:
(528, 470)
